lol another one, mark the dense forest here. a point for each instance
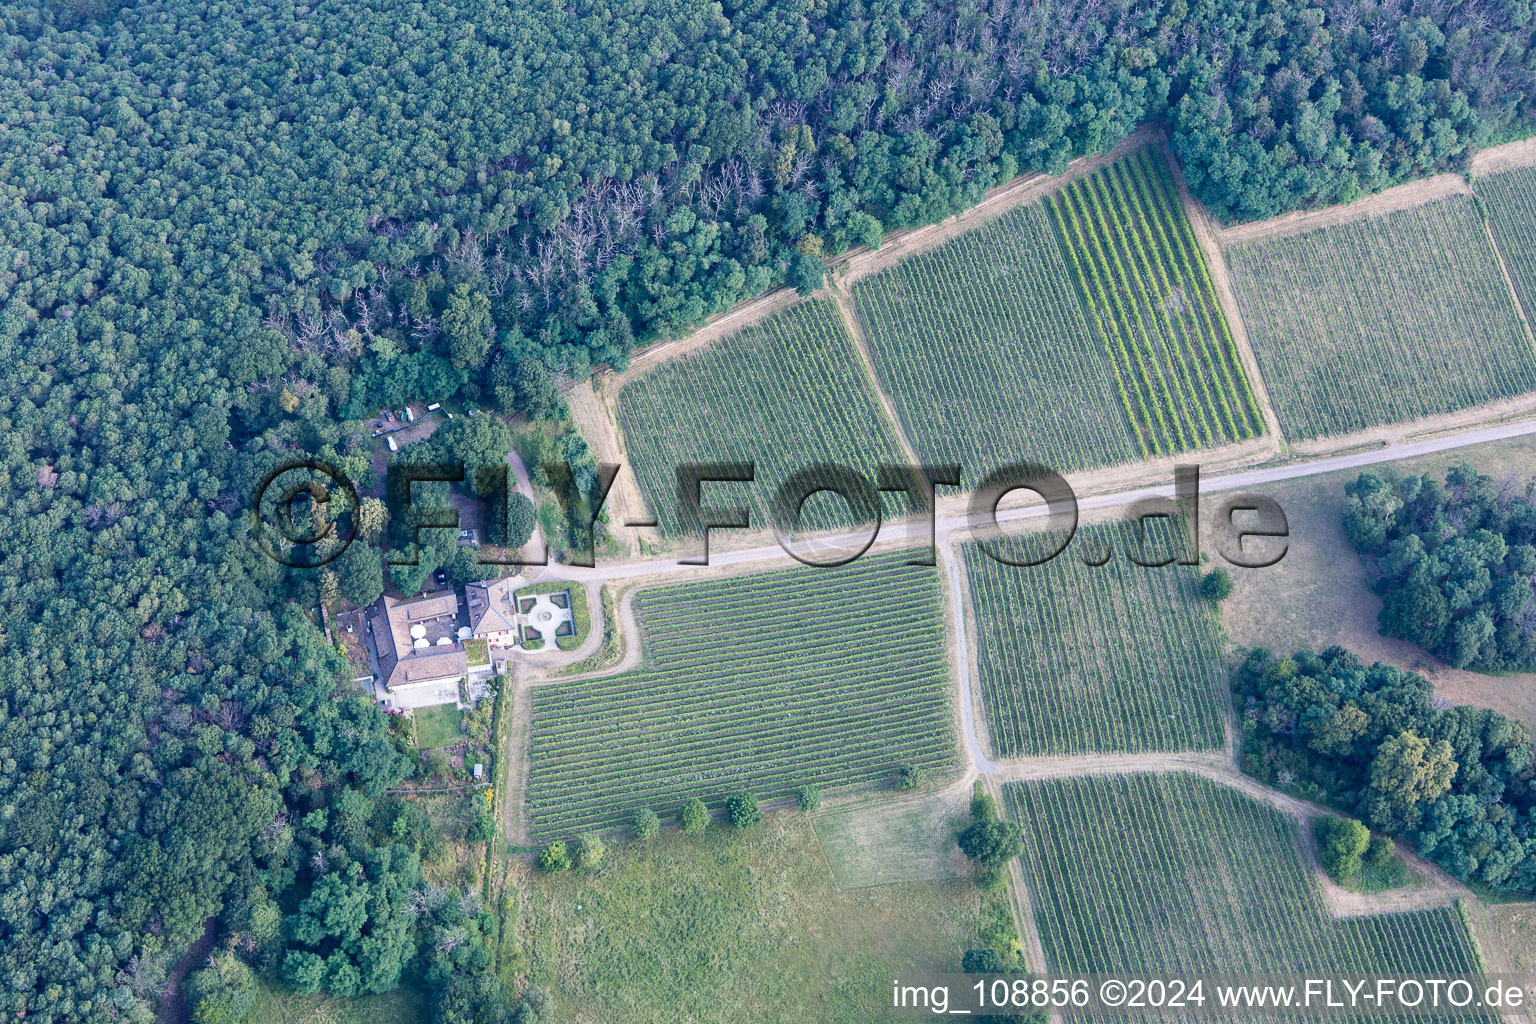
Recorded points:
(229, 232)
(1455, 564)
(1457, 782)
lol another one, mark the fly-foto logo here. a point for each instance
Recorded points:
(307, 512)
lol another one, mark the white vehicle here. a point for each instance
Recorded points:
(392, 445)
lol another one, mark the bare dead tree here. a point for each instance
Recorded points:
(500, 271)
(364, 316)
(425, 329)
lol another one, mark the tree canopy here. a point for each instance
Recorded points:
(226, 240)
(1454, 562)
(1457, 782)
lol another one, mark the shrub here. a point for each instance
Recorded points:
(554, 858)
(983, 961)
(693, 816)
(1380, 854)
(590, 850)
(1383, 869)
(647, 825)
(743, 811)
(808, 798)
(1340, 844)
(482, 827)
(909, 777)
(520, 520)
(1216, 585)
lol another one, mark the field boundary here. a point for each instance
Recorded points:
(852, 266)
(978, 744)
(1207, 233)
(606, 386)
(1022, 902)
(850, 316)
(1421, 429)
(596, 417)
(1439, 890)
(1510, 156)
(847, 269)
(518, 760)
(898, 246)
(855, 264)
(1509, 282)
(1408, 196)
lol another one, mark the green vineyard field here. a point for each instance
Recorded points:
(1511, 199)
(1381, 320)
(984, 350)
(1074, 658)
(1156, 873)
(834, 677)
(784, 394)
(1144, 281)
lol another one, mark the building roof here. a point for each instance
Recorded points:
(490, 605)
(400, 660)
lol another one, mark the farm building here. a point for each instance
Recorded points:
(492, 614)
(421, 656)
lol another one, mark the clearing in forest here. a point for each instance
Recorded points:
(1081, 331)
(832, 677)
(1148, 292)
(1174, 872)
(986, 354)
(1382, 320)
(1075, 658)
(783, 394)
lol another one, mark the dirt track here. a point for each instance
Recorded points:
(1438, 890)
(1403, 197)
(1507, 157)
(1206, 236)
(855, 326)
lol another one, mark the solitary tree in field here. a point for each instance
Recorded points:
(590, 851)
(909, 777)
(693, 816)
(808, 798)
(1216, 585)
(991, 844)
(647, 825)
(554, 857)
(743, 811)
